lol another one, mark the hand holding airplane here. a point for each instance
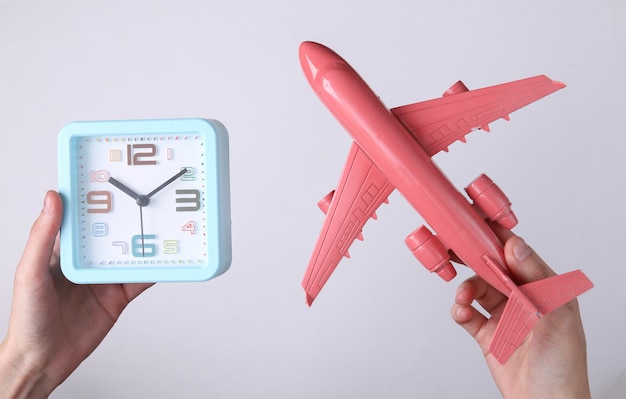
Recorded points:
(392, 149)
(550, 364)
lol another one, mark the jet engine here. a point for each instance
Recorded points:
(431, 253)
(491, 202)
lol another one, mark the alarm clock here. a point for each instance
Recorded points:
(144, 200)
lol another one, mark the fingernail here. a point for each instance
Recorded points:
(47, 203)
(521, 250)
(461, 287)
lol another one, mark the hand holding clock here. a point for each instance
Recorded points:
(54, 323)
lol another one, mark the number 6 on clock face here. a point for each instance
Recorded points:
(144, 201)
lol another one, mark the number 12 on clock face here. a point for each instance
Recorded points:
(145, 201)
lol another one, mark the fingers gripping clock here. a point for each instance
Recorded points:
(115, 233)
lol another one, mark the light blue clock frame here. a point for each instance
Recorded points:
(217, 203)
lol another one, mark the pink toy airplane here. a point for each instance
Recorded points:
(392, 149)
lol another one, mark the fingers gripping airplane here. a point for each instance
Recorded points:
(392, 149)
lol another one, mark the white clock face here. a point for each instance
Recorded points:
(141, 200)
(144, 200)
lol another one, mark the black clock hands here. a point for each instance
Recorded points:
(143, 244)
(124, 188)
(144, 200)
(169, 181)
(141, 201)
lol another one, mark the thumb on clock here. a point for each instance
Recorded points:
(38, 254)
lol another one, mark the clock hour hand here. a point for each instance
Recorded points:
(166, 183)
(124, 188)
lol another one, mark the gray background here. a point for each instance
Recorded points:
(381, 327)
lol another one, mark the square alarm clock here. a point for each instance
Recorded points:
(144, 200)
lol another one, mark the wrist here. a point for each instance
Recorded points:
(19, 378)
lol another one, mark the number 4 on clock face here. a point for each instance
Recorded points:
(189, 227)
(145, 201)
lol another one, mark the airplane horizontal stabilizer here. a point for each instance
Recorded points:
(519, 316)
(515, 324)
(553, 292)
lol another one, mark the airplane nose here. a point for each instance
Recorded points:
(309, 60)
(314, 58)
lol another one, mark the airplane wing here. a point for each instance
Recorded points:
(361, 190)
(437, 123)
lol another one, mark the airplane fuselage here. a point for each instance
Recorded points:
(405, 163)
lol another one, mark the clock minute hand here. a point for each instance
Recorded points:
(124, 188)
(166, 183)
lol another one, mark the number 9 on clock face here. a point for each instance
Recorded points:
(144, 200)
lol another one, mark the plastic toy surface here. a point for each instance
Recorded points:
(392, 149)
(144, 200)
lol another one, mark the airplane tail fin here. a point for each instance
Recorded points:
(528, 303)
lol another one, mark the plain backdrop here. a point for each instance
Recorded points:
(381, 326)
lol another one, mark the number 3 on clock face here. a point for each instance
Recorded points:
(144, 201)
